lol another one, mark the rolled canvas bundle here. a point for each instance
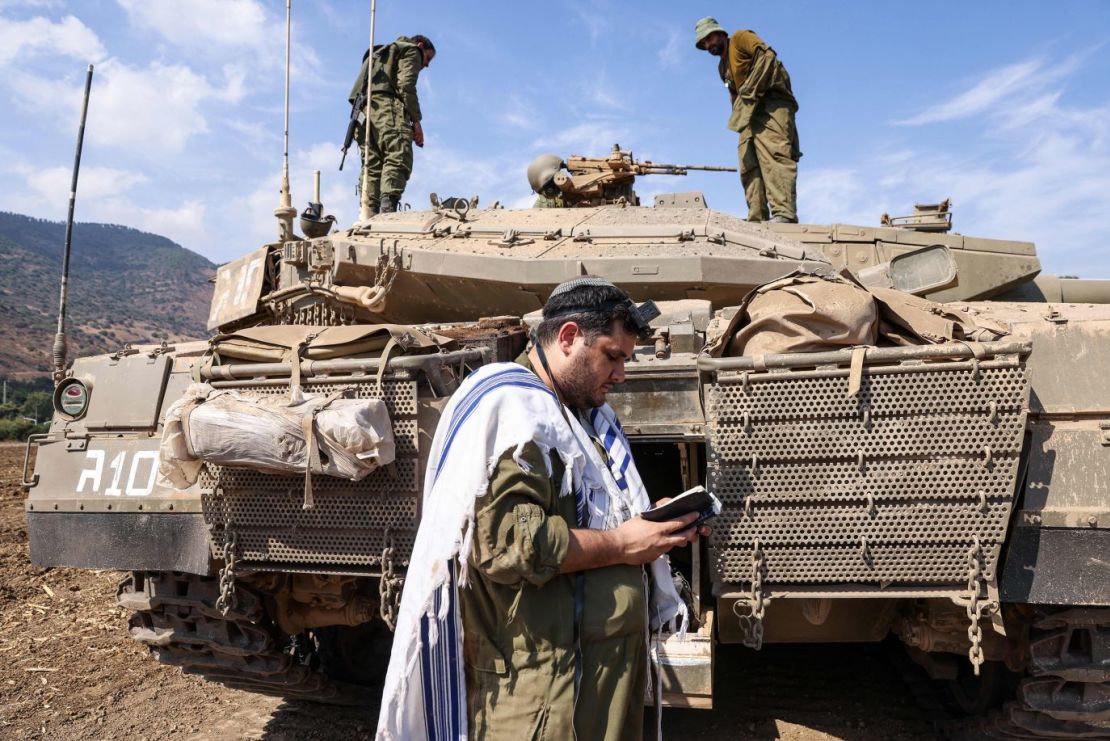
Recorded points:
(346, 438)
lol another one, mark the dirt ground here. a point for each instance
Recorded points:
(69, 671)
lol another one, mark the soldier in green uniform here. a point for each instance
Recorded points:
(541, 178)
(529, 558)
(763, 108)
(395, 120)
(530, 531)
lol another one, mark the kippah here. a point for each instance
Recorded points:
(575, 283)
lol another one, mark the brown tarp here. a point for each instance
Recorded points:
(274, 343)
(814, 311)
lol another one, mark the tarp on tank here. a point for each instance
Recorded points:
(811, 311)
(275, 343)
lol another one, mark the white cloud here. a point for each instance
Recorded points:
(447, 171)
(52, 184)
(602, 94)
(240, 23)
(41, 4)
(185, 224)
(591, 18)
(20, 40)
(1037, 170)
(252, 214)
(589, 138)
(105, 195)
(836, 194)
(1001, 85)
(519, 113)
(225, 27)
(45, 191)
(670, 53)
(156, 109)
(323, 156)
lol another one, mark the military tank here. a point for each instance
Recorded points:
(955, 500)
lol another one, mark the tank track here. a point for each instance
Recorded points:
(1064, 694)
(176, 618)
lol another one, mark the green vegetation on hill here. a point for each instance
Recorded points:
(25, 407)
(126, 286)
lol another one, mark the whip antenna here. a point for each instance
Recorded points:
(364, 201)
(59, 350)
(285, 211)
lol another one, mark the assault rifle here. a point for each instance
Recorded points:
(600, 179)
(358, 116)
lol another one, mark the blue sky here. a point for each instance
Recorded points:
(1003, 106)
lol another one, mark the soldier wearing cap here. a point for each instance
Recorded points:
(394, 116)
(554, 608)
(763, 108)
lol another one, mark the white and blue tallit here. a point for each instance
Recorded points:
(500, 407)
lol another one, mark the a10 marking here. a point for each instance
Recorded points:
(139, 482)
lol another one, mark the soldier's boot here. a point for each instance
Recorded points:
(782, 220)
(388, 204)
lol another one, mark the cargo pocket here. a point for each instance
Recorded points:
(483, 656)
(746, 153)
(522, 552)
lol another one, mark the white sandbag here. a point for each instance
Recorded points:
(353, 436)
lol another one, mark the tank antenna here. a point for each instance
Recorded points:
(59, 350)
(285, 211)
(364, 201)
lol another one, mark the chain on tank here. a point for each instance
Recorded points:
(351, 524)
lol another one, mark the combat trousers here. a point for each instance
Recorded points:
(387, 162)
(769, 154)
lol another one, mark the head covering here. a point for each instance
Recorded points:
(703, 28)
(588, 281)
(639, 317)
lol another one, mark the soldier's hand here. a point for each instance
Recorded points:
(642, 541)
(418, 134)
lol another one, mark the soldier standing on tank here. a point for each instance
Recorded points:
(763, 108)
(394, 118)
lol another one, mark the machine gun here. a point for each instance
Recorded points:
(358, 116)
(598, 180)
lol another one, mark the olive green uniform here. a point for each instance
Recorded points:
(558, 201)
(763, 114)
(518, 616)
(394, 108)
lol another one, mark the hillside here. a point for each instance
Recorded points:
(124, 286)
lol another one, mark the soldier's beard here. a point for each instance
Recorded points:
(578, 385)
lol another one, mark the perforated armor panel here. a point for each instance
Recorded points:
(345, 529)
(890, 487)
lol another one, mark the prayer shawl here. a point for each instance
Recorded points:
(500, 407)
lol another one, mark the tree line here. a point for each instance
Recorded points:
(25, 408)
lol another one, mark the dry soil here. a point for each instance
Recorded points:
(69, 671)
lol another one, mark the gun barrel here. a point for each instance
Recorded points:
(650, 168)
(684, 168)
(712, 168)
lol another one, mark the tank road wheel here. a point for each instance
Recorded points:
(175, 616)
(1065, 692)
